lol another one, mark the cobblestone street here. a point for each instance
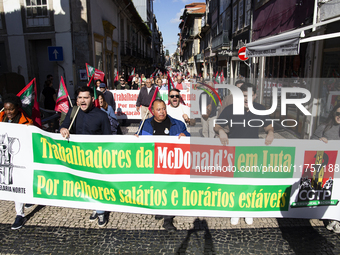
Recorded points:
(52, 230)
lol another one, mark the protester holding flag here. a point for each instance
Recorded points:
(144, 99)
(90, 120)
(163, 124)
(13, 114)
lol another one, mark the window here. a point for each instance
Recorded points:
(99, 55)
(247, 13)
(37, 13)
(234, 18)
(240, 15)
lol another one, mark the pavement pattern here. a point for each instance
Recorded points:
(59, 230)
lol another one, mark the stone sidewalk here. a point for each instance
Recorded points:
(57, 230)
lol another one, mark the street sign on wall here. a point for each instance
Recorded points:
(55, 53)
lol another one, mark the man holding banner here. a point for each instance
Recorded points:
(89, 121)
(239, 129)
(163, 124)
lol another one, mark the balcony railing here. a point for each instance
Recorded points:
(220, 41)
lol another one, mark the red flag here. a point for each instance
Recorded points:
(62, 104)
(98, 75)
(132, 75)
(30, 105)
(92, 84)
(155, 96)
(116, 78)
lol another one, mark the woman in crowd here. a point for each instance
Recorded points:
(13, 114)
(110, 112)
(135, 83)
(330, 130)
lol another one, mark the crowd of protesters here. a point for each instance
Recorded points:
(172, 119)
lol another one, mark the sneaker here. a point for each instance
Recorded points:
(336, 228)
(249, 221)
(28, 205)
(331, 225)
(19, 222)
(102, 221)
(93, 216)
(169, 225)
(234, 221)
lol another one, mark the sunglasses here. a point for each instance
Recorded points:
(337, 114)
(172, 96)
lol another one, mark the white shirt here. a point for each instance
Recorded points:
(177, 113)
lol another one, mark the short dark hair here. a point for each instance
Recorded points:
(177, 90)
(12, 99)
(247, 85)
(98, 80)
(49, 76)
(85, 89)
(238, 82)
(157, 100)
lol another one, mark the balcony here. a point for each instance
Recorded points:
(221, 41)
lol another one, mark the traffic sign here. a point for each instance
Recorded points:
(55, 53)
(242, 54)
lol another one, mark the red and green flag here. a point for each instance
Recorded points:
(62, 104)
(92, 84)
(116, 78)
(156, 95)
(30, 105)
(98, 75)
(216, 78)
(133, 73)
(153, 74)
(221, 77)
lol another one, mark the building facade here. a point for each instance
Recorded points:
(110, 35)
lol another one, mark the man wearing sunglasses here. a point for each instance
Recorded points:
(177, 110)
(122, 85)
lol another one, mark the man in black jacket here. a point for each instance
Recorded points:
(144, 99)
(90, 120)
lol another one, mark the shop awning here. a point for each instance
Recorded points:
(280, 45)
(287, 43)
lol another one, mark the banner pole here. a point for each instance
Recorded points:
(75, 115)
(69, 99)
(143, 122)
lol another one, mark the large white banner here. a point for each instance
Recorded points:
(167, 175)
